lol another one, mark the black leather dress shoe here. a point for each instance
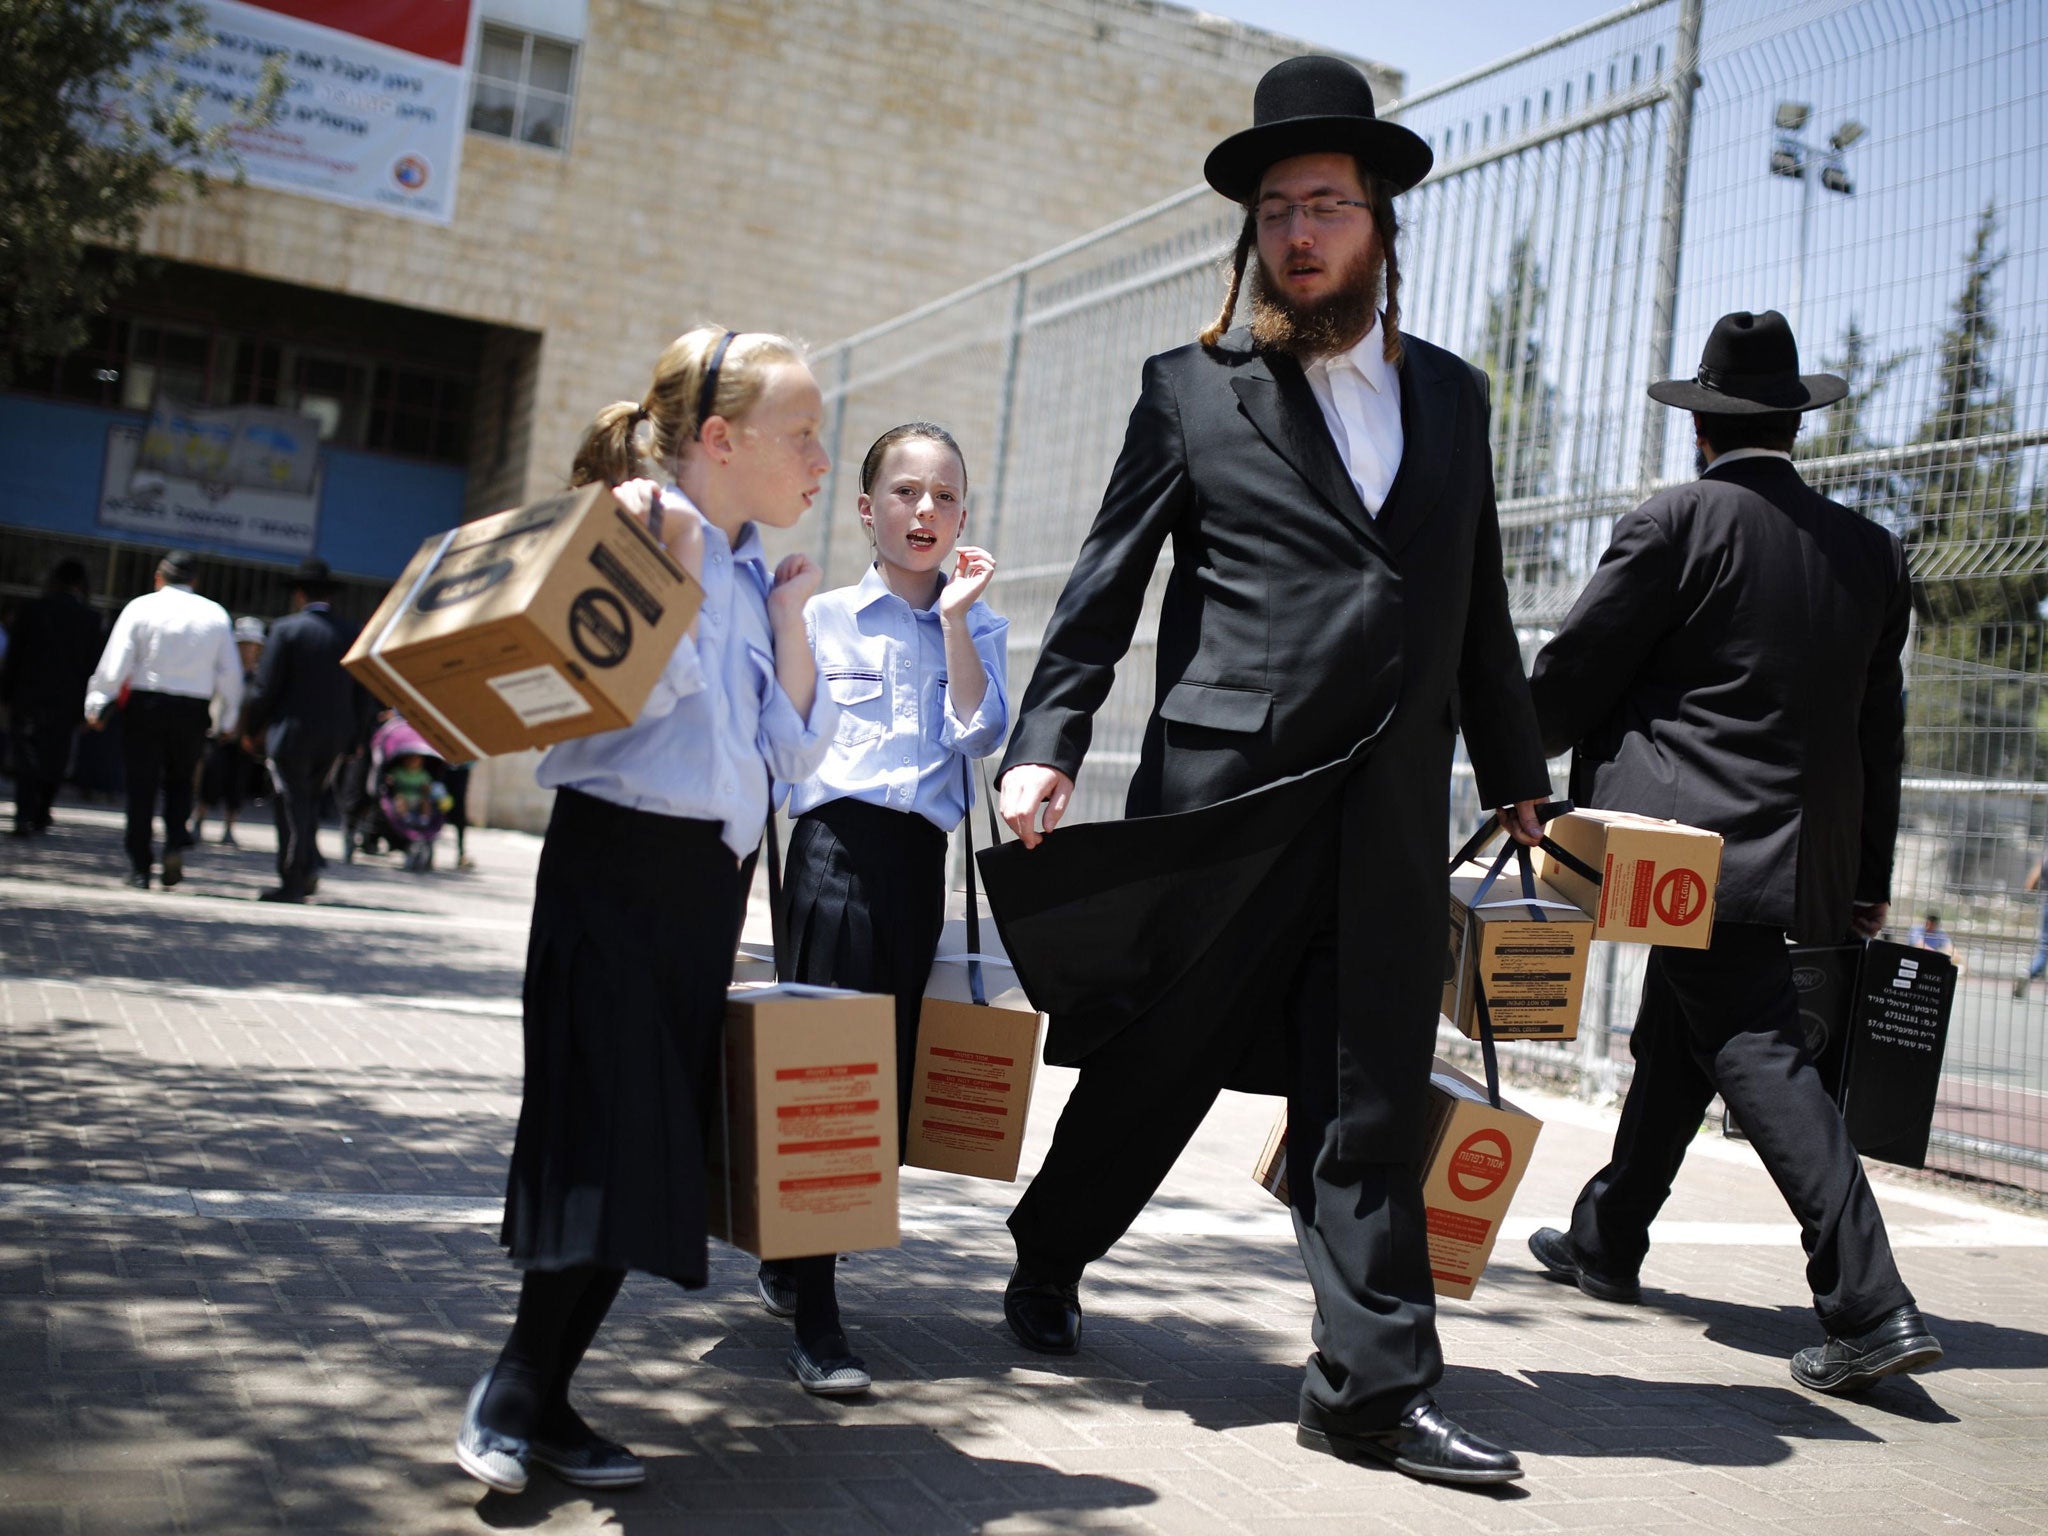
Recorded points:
(1044, 1314)
(282, 893)
(1900, 1342)
(1424, 1445)
(1555, 1252)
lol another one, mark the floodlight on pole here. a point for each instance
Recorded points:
(1847, 134)
(1792, 156)
(1792, 115)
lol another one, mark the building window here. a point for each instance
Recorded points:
(524, 85)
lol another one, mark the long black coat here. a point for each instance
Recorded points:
(1295, 627)
(50, 656)
(1734, 664)
(304, 706)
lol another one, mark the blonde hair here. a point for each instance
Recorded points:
(1379, 192)
(613, 449)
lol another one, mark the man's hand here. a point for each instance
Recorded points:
(1521, 823)
(1869, 918)
(1025, 788)
(96, 722)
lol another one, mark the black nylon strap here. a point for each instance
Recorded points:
(1486, 1050)
(776, 921)
(976, 989)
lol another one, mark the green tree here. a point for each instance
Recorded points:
(1978, 545)
(1524, 401)
(96, 133)
(1842, 431)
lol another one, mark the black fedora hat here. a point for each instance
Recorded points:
(1315, 105)
(1750, 367)
(313, 576)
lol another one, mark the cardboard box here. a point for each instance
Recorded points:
(1270, 1171)
(1657, 877)
(970, 1096)
(804, 1160)
(1473, 1160)
(527, 627)
(1529, 956)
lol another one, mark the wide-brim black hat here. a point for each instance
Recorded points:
(1750, 367)
(313, 575)
(1315, 105)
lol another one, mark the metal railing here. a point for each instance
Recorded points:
(1597, 201)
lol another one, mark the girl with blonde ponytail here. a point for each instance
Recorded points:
(643, 883)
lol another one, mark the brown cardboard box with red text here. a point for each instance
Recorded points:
(804, 1161)
(1657, 877)
(1529, 956)
(1474, 1156)
(527, 627)
(970, 1097)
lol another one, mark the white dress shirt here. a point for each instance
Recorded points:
(900, 744)
(1737, 455)
(171, 641)
(717, 723)
(1361, 399)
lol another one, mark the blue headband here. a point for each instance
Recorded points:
(710, 390)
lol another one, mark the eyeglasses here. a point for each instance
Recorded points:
(1324, 211)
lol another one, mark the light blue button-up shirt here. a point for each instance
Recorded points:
(899, 743)
(717, 724)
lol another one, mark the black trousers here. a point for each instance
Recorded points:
(1360, 1225)
(163, 737)
(297, 783)
(1726, 1018)
(42, 751)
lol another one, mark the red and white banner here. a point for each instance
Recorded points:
(375, 103)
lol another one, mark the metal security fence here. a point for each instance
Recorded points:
(1876, 168)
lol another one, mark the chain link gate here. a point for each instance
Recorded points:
(1875, 168)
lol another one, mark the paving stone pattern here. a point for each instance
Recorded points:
(166, 1370)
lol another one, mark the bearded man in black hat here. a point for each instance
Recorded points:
(305, 714)
(1734, 664)
(1277, 920)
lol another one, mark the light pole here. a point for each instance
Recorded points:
(1791, 155)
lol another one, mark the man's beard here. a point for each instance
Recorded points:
(1331, 324)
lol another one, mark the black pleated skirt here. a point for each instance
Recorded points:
(865, 895)
(635, 920)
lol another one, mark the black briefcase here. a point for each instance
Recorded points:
(1876, 1020)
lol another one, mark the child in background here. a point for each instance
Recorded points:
(643, 884)
(915, 661)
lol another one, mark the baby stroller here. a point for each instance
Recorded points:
(408, 800)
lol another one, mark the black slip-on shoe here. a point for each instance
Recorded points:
(1044, 1314)
(1899, 1343)
(777, 1285)
(136, 879)
(1424, 1445)
(500, 1461)
(596, 1463)
(1554, 1251)
(174, 868)
(281, 893)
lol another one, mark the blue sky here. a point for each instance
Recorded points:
(1430, 43)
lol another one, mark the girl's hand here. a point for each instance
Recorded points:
(973, 569)
(796, 581)
(682, 533)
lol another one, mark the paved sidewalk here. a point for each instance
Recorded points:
(249, 1165)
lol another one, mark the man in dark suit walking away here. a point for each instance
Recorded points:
(304, 715)
(1336, 598)
(49, 657)
(1734, 664)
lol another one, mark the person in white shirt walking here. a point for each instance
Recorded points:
(174, 652)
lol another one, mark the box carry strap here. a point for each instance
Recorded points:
(1549, 811)
(976, 987)
(778, 931)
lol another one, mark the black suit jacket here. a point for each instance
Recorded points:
(1295, 628)
(51, 653)
(1734, 664)
(305, 707)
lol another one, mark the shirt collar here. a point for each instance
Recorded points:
(873, 589)
(747, 547)
(1368, 356)
(1737, 455)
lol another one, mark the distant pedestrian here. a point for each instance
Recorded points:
(642, 887)
(54, 643)
(2040, 961)
(305, 715)
(173, 651)
(230, 772)
(1931, 935)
